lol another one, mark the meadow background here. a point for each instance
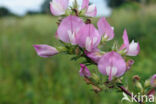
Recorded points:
(25, 78)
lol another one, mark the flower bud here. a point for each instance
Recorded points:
(131, 49)
(153, 81)
(95, 77)
(84, 71)
(136, 78)
(129, 64)
(147, 83)
(45, 50)
(105, 30)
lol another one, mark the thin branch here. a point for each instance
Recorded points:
(95, 87)
(129, 93)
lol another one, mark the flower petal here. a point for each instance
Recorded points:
(68, 29)
(153, 81)
(45, 50)
(95, 55)
(58, 7)
(85, 4)
(133, 49)
(105, 29)
(126, 41)
(112, 64)
(84, 71)
(88, 37)
(91, 11)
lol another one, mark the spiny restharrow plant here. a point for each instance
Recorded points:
(79, 37)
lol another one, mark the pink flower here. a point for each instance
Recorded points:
(85, 4)
(131, 49)
(105, 29)
(95, 55)
(58, 7)
(45, 50)
(91, 10)
(88, 37)
(112, 64)
(129, 64)
(153, 81)
(84, 71)
(68, 29)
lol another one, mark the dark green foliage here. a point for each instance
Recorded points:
(4, 12)
(46, 6)
(118, 3)
(32, 13)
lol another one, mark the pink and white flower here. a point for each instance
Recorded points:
(58, 7)
(105, 30)
(112, 64)
(153, 81)
(88, 37)
(84, 71)
(45, 50)
(69, 28)
(90, 10)
(131, 49)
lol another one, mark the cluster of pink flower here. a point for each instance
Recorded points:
(73, 31)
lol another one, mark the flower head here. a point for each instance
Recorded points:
(69, 28)
(105, 29)
(84, 71)
(131, 49)
(88, 37)
(58, 7)
(153, 81)
(112, 64)
(45, 50)
(90, 10)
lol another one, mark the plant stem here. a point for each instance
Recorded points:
(151, 91)
(98, 89)
(95, 87)
(129, 93)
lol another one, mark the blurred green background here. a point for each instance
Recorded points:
(25, 78)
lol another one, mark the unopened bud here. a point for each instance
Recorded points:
(136, 78)
(139, 85)
(95, 77)
(129, 63)
(77, 51)
(153, 81)
(147, 83)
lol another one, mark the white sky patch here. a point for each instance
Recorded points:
(20, 7)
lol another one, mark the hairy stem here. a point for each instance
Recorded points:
(129, 93)
(95, 87)
(98, 89)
